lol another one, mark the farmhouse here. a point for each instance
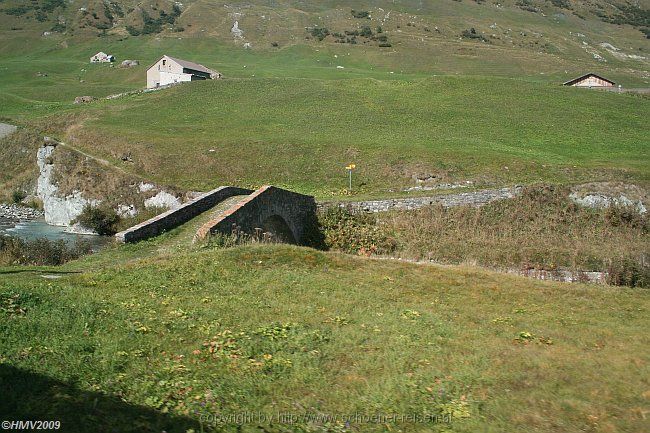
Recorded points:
(102, 57)
(590, 80)
(168, 70)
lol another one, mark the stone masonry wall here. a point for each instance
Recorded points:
(477, 198)
(175, 217)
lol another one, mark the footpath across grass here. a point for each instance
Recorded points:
(160, 343)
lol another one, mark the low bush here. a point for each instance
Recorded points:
(360, 14)
(620, 215)
(319, 33)
(16, 251)
(58, 27)
(365, 32)
(239, 237)
(563, 4)
(51, 5)
(628, 272)
(103, 220)
(18, 10)
(472, 34)
(355, 233)
(18, 195)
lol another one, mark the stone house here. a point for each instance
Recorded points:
(102, 57)
(169, 70)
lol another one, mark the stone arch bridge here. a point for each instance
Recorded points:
(289, 216)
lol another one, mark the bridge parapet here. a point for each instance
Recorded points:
(288, 215)
(176, 217)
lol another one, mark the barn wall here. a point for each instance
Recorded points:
(167, 73)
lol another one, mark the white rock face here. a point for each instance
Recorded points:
(237, 33)
(126, 211)
(162, 199)
(59, 211)
(144, 187)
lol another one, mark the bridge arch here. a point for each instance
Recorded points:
(288, 215)
(278, 227)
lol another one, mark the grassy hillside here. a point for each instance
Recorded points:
(153, 344)
(301, 100)
(551, 44)
(301, 133)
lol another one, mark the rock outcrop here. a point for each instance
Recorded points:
(59, 211)
(83, 99)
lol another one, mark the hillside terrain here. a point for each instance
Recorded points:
(164, 337)
(338, 83)
(425, 97)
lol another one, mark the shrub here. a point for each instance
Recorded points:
(17, 196)
(628, 272)
(239, 237)
(365, 31)
(472, 34)
(18, 10)
(39, 252)
(133, 31)
(617, 215)
(58, 27)
(50, 5)
(319, 33)
(563, 4)
(355, 233)
(151, 25)
(41, 16)
(102, 220)
(360, 14)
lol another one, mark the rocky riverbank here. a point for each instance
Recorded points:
(19, 213)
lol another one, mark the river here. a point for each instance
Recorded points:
(38, 229)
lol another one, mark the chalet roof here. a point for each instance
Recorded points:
(582, 77)
(189, 65)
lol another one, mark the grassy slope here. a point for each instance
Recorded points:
(301, 133)
(361, 336)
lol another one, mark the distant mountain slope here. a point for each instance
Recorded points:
(593, 34)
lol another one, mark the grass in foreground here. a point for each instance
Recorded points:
(154, 343)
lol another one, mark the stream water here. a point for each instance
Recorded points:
(37, 229)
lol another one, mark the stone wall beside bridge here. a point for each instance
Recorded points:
(476, 198)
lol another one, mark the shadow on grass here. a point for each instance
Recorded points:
(32, 396)
(37, 271)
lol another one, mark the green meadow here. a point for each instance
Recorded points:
(301, 133)
(138, 339)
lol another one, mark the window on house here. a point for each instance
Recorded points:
(164, 62)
